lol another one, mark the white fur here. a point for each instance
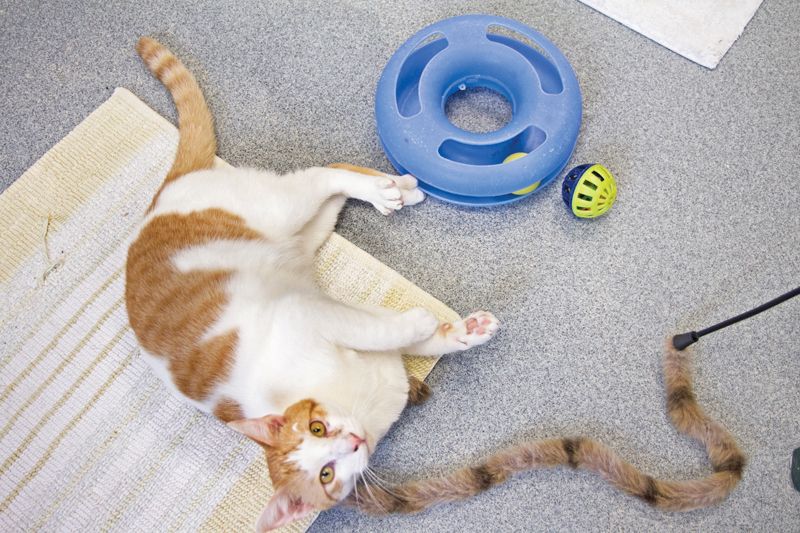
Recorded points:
(295, 342)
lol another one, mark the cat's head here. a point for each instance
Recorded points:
(314, 456)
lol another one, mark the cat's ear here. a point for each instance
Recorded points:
(264, 430)
(282, 509)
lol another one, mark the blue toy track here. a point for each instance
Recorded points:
(478, 51)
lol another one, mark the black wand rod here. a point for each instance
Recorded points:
(683, 340)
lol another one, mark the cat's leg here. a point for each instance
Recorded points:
(376, 330)
(386, 193)
(319, 228)
(293, 201)
(457, 336)
(406, 184)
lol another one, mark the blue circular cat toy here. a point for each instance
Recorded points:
(479, 51)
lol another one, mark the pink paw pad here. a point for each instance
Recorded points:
(479, 325)
(474, 330)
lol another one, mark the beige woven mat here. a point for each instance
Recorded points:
(89, 438)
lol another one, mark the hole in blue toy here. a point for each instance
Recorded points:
(539, 59)
(492, 154)
(478, 109)
(498, 29)
(407, 93)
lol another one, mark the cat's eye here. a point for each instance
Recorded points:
(318, 429)
(326, 475)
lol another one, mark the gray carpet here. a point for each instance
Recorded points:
(707, 224)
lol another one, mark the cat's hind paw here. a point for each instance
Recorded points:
(392, 193)
(387, 196)
(412, 195)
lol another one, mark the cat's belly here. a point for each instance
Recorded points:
(373, 386)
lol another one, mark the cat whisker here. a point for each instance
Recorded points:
(375, 475)
(371, 494)
(380, 482)
(355, 489)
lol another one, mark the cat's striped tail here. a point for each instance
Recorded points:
(727, 462)
(197, 144)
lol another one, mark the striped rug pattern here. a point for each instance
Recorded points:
(89, 439)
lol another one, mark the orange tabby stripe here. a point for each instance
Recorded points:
(170, 311)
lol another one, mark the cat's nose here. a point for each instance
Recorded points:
(355, 441)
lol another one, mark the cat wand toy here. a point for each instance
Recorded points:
(683, 340)
(680, 342)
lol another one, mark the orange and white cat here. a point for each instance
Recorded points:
(220, 293)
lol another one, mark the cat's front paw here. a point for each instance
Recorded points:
(420, 322)
(474, 330)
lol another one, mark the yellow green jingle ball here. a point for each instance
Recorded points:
(589, 190)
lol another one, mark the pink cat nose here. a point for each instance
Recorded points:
(355, 441)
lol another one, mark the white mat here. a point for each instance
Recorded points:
(700, 30)
(90, 440)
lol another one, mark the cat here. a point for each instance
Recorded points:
(220, 294)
